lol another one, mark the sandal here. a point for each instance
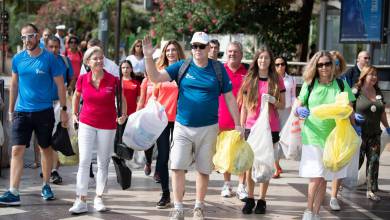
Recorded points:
(371, 195)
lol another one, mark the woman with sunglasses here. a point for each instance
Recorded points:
(136, 58)
(262, 83)
(166, 94)
(290, 85)
(340, 67)
(370, 103)
(319, 74)
(76, 58)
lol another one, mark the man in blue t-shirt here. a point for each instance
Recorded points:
(33, 72)
(196, 125)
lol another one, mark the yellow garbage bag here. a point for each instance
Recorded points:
(342, 142)
(233, 153)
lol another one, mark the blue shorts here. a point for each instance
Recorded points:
(24, 123)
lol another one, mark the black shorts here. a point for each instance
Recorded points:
(24, 123)
(275, 135)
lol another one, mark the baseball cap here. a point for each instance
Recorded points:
(60, 27)
(200, 37)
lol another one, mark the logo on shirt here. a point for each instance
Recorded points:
(109, 89)
(39, 72)
(189, 76)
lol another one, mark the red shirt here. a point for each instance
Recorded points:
(225, 120)
(98, 108)
(131, 90)
(76, 59)
(167, 93)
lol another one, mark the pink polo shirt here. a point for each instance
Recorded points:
(273, 114)
(225, 120)
(98, 108)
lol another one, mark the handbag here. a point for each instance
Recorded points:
(61, 141)
(123, 172)
(120, 148)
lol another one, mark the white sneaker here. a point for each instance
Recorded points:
(99, 205)
(78, 207)
(307, 215)
(334, 204)
(227, 191)
(316, 217)
(198, 214)
(241, 192)
(176, 214)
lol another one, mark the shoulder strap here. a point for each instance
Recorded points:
(309, 89)
(183, 69)
(218, 72)
(340, 83)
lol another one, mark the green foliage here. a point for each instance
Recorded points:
(272, 22)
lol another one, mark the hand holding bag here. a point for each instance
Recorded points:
(61, 141)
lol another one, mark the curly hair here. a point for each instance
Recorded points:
(311, 72)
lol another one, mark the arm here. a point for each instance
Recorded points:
(76, 106)
(243, 115)
(154, 75)
(13, 94)
(121, 120)
(142, 97)
(232, 106)
(59, 80)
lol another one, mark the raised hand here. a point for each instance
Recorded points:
(147, 47)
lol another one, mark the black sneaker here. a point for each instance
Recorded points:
(56, 178)
(249, 205)
(260, 207)
(165, 201)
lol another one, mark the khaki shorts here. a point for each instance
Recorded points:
(193, 145)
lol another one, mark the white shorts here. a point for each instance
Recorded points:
(311, 165)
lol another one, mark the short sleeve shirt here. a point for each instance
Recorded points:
(166, 93)
(131, 90)
(62, 69)
(98, 108)
(35, 80)
(147, 87)
(315, 130)
(225, 120)
(199, 91)
(76, 59)
(273, 113)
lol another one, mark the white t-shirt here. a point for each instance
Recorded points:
(108, 66)
(290, 84)
(138, 65)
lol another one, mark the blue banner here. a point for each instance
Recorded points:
(361, 21)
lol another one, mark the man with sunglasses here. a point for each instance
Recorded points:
(31, 109)
(196, 125)
(353, 73)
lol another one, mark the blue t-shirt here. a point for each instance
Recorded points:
(62, 69)
(199, 90)
(35, 79)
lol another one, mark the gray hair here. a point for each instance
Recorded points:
(237, 44)
(90, 51)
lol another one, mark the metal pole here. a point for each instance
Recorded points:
(117, 30)
(322, 34)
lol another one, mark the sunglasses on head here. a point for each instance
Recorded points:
(28, 36)
(200, 46)
(280, 64)
(326, 64)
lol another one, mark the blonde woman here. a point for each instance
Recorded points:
(98, 120)
(261, 80)
(321, 76)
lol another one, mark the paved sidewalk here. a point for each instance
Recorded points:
(286, 198)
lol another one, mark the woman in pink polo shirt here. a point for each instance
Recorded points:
(166, 94)
(97, 126)
(261, 81)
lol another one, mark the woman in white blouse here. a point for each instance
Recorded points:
(136, 58)
(290, 84)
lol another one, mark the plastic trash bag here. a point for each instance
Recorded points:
(291, 139)
(260, 140)
(233, 153)
(145, 126)
(343, 142)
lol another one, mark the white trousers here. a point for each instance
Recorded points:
(90, 138)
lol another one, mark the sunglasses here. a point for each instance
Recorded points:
(280, 64)
(321, 65)
(200, 46)
(28, 36)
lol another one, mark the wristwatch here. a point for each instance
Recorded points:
(64, 108)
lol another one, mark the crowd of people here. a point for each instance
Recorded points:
(202, 97)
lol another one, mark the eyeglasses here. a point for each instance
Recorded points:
(280, 64)
(28, 36)
(321, 65)
(200, 46)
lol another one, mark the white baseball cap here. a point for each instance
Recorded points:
(60, 27)
(200, 37)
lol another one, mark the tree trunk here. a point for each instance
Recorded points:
(306, 11)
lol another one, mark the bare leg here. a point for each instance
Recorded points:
(202, 182)
(313, 188)
(263, 190)
(251, 184)
(16, 170)
(335, 187)
(178, 185)
(227, 177)
(47, 163)
(319, 197)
